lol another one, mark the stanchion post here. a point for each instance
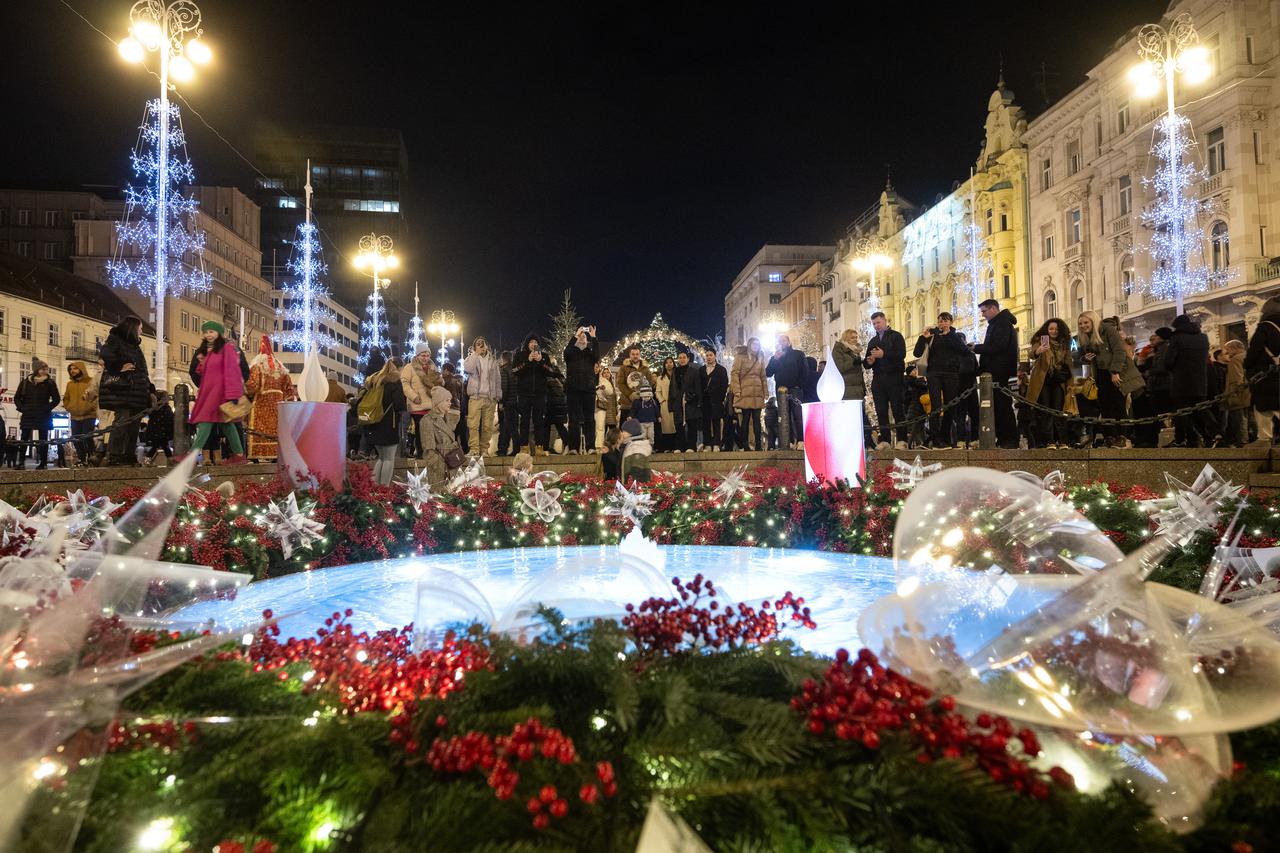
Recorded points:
(784, 419)
(986, 413)
(181, 408)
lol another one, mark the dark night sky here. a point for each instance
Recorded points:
(638, 154)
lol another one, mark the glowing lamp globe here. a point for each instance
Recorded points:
(131, 50)
(198, 52)
(148, 33)
(1194, 63)
(182, 69)
(833, 448)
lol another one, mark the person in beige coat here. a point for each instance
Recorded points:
(417, 379)
(750, 389)
(633, 363)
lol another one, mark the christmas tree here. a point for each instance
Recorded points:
(374, 331)
(975, 276)
(658, 342)
(305, 319)
(415, 337)
(564, 326)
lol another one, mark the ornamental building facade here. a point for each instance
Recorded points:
(1090, 164)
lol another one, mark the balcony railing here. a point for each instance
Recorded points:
(82, 353)
(1266, 272)
(1072, 252)
(1211, 186)
(1119, 225)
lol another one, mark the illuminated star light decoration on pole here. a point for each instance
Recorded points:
(974, 269)
(376, 254)
(444, 324)
(1175, 216)
(164, 234)
(870, 254)
(304, 290)
(415, 336)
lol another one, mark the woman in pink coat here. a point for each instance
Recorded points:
(220, 382)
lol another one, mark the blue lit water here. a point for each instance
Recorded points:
(581, 581)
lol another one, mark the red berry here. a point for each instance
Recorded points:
(610, 789)
(947, 703)
(871, 740)
(534, 805)
(541, 821)
(588, 794)
(548, 793)
(559, 809)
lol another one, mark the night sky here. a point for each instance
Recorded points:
(638, 154)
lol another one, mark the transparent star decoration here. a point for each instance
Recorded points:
(541, 502)
(417, 490)
(731, 485)
(907, 475)
(624, 503)
(290, 525)
(1014, 603)
(1055, 481)
(523, 479)
(469, 475)
(83, 521)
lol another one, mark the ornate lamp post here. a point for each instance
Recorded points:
(171, 29)
(871, 253)
(443, 324)
(377, 254)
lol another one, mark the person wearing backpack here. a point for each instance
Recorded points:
(379, 411)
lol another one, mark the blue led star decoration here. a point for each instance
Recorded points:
(183, 247)
(975, 280)
(375, 317)
(305, 320)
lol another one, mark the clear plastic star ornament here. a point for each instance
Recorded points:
(289, 525)
(907, 475)
(541, 502)
(417, 489)
(633, 506)
(731, 485)
(469, 475)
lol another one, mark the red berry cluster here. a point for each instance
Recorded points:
(109, 638)
(497, 758)
(167, 735)
(859, 700)
(371, 673)
(663, 626)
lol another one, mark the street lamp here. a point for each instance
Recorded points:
(870, 254)
(173, 30)
(1166, 53)
(443, 324)
(376, 255)
(772, 324)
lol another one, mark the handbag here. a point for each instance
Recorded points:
(1087, 388)
(454, 457)
(234, 410)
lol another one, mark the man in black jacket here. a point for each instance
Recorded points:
(530, 369)
(580, 358)
(788, 370)
(886, 357)
(998, 355)
(1264, 349)
(1186, 359)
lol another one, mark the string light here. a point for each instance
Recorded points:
(305, 290)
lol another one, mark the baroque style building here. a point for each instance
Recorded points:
(1090, 162)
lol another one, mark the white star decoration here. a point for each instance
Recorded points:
(293, 527)
(540, 501)
(907, 475)
(731, 485)
(417, 490)
(628, 504)
(470, 474)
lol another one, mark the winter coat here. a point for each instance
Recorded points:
(693, 386)
(36, 398)
(1107, 346)
(607, 399)
(457, 391)
(625, 391)
(579, 365)
(416, 383)
(715, 387)
(675, 400)
(484, 378)
(849, 363)
(789, 371)
(895, 354)
(220, 382)
(747, 381)
(947, 353)
(193, 369)
(1238, 396)
(1264, 348)
(119, 391)
(557, 402)
(662, 392)
(531, 376)
(1050, 368)
(387, 431)
(998, 352)
(1156, 375)
(1186, 358)
(80, 398)
(159, 427)
(509, 396)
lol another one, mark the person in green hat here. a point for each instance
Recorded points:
(218, 366)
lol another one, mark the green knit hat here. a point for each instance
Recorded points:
(213, 326)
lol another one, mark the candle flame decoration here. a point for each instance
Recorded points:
(314, 387)
(831, 382)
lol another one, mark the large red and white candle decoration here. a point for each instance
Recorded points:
(312, 433)
(833, 439)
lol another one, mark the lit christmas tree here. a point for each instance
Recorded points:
(301, 311)
(1177, 241)
(159, 223)
(659, 341)
(564, 326)
(375, 317)
(975, 276)
(415, 336)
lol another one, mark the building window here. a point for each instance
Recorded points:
(775, 298)
(371, 205)
(952, 243)
(1046, 242)
(1073, 157)
(28, 329)
(23, 248)
(1, 321)
(1006, 287)
(1257, 152)
(1126, 276)
(1050, 305)
(55, 335)
(51, 219)
(1073, 226)
(285, 201)
(1217, 151)
(77, 340)
(1219, 246)
(775, 276)
(186, 353)
(1004, 220)
(1077, 297)
(1046, 173)
(24, 216)
(1248, 49)
(1122, 119)
(1126, 195)
(1097, 137)
(49, 251)
(271, 183)
(1214, 44)
(920, 267)
(4, 216)
(936, 262)
(990, 221)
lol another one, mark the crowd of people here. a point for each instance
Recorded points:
(576, 401)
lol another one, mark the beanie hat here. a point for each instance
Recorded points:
(631, 427)
(213, 326)
(376, 362)
(1164, 333)
(36, 364)
(421, 348)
